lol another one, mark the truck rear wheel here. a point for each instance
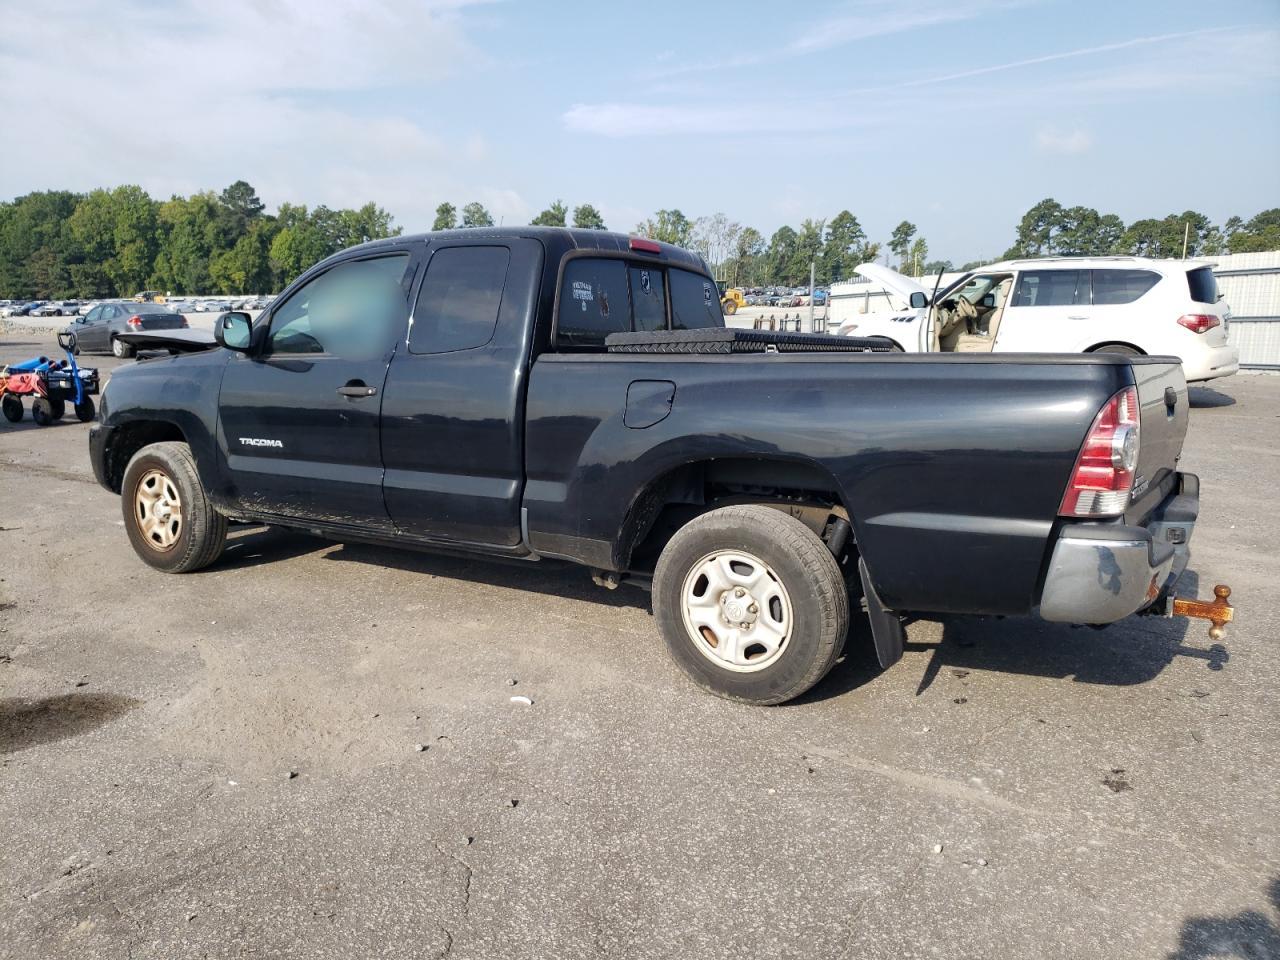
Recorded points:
(751, 604)
(171, 523)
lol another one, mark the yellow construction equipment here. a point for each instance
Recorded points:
(731, 298)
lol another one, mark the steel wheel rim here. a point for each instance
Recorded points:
(736, 611)
(157, 508)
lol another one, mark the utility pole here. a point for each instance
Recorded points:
(1186, 235)
(812, 265)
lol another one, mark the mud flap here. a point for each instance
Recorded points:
(886, 628)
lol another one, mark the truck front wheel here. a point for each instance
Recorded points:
(751, 604)
(171, 523)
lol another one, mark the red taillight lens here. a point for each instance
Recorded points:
(1103, 475)
(1199, 322)
(134, 321)
(643, 245)
(183, 321)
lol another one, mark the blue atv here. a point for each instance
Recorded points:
(53, 384)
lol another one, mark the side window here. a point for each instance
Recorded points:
(695, 301)
(648, 298)
(593, 302)
(94, 315)
(1122, 286)
(1051, 288)
(458, 304)
(355, 310)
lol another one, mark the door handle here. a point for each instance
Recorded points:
(357, 389)
(1079, 317)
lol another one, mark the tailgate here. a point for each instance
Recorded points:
(1162, 396)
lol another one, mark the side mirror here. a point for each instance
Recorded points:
(989, 300)
(233, 330)
(79, 319)
(919, 300)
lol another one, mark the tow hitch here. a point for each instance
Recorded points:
(1217, 611)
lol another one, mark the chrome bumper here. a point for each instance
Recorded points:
(1100, 573)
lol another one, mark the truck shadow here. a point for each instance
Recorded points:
(1131, 652)
(1201, 397)
(1246, 935)
(27, 723)
(545, 576)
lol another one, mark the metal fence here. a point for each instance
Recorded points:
(1250, 284)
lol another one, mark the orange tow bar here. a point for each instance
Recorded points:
(1217, 611)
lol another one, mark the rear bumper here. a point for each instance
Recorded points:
(1212, 363)
(1100, 573)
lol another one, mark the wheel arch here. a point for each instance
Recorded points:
(128, 438)
(1102, 347)
(804, 488)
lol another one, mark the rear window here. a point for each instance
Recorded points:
(458, 304)
(695, 302)
(1052, 288)
(600, 296)
(1122, 286)
(648, 298)
(593, 302)
(1203, 284)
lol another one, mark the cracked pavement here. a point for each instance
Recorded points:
(1094, 793)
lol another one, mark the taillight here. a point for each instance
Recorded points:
(182, 321)
(1103, 475)
(134, 321)
(1199, 322)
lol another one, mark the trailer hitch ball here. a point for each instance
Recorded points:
(1218, 611)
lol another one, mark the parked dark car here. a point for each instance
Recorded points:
(98, 331)
(573, 394)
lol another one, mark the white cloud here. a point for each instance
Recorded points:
(190, 95)
(1053, 140)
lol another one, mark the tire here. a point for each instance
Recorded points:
(85, 410)
(1118, 348)
(154, 475)
(799, 597)
(11, 405)
(731, 307)
(120, 349)
(59, 407)
(42, 411)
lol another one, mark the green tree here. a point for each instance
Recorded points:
(553, 216)
(36, 246)
(843, 248)
(446, 217)
(1165, 238)
(475, 215)
(900, 242)
(587, 217)
(1036, 230)
(934, 267)
(1083, 231)
(119, 230)
(1262, 232)
(747, 266)
(780, 258)
(667, 226)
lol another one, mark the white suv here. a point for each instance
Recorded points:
(1063, 305)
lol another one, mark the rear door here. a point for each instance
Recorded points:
(1048, 312)
(453, 417)
(299, 416)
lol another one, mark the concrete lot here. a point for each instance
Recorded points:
(1094, 793)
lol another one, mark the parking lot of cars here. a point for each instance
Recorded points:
(313, 748)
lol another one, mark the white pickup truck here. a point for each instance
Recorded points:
(1127, 305)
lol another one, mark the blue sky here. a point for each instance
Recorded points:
(956, 115)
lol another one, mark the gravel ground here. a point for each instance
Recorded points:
(226, 764)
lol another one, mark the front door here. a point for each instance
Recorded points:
(299, 414)
(89, 329)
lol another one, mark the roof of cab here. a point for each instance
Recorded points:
(558, 240)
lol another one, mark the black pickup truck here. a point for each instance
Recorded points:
(531, 393)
